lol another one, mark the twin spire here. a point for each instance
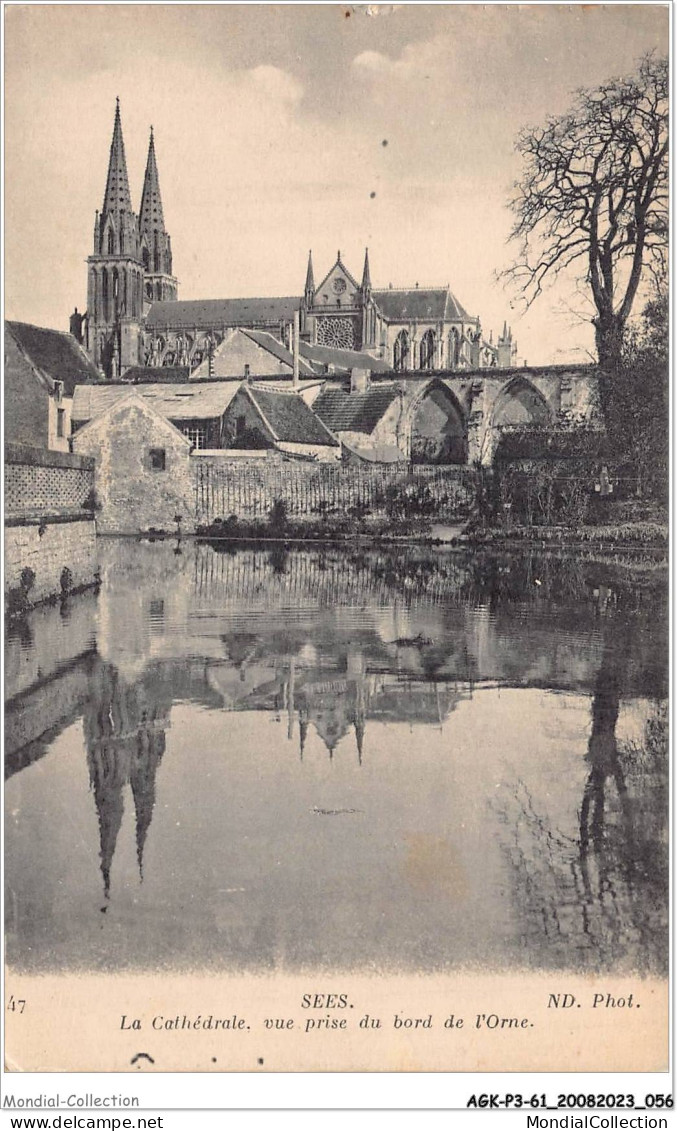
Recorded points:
(117, 198)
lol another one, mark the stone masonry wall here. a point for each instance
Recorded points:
(47, 548)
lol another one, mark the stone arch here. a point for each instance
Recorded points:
(520, 404)
(426, 350)
(437, 426)
(401, 351)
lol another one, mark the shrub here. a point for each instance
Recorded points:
(277, 516)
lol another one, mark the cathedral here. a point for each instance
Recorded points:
(134, 317)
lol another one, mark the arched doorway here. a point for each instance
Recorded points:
(438, 429)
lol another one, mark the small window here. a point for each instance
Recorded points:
(60, 421)
(157, 459)
(246, 370)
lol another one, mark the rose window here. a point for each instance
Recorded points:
(336, 332)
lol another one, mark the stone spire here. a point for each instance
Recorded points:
(366, 274)
(117, 197)
(309, 289)
(151, 216)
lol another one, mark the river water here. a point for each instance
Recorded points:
(253, 759)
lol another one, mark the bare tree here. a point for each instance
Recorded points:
(594, 194)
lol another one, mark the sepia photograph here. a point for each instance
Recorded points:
(336, 581)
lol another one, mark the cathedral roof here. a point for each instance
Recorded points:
(421, 304)
(343, 411)
(201, 314)
(57, 354)
(290, 418)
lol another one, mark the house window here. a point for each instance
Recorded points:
(61, 422)
(197, 434)
(157, 459)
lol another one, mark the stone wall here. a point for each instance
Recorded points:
(47, 547)
(50, 536)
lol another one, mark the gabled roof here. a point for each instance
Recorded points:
(201, 314)
(133, 396)
(419, 303)
(343, 359)
(200, 401)
(273, 346)
(289, 417)
(343, 411)
(57, 354)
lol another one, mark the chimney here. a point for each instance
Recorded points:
(359, 380)
(295, 377)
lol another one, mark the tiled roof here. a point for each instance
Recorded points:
(423, 304)
(278, 350)
(199, 401)
(343, 359)
(57, 354)
(343, 411)
(201, 314)
(165, 373)
(290, 418)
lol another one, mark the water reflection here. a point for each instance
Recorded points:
(262, 758)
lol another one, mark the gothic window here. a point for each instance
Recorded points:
(149, 290)
(401, 350)
(145, 255)
(427, 350)
(158, 290)
(122, 243)
(336, 332)
(169, 358)
(111, 242)
(453, 348)
(104, 294)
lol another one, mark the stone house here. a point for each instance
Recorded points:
(250, 353)
(42, 368)
(143, 475)
(366, 422)
(259, 417)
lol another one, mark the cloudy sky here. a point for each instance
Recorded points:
(284, 127)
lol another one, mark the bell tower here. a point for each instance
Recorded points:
(115, 271)
(155, 245)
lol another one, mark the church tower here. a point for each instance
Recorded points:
(115, 271)
(155, 245)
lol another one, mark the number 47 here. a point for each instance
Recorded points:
(16, 1005)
